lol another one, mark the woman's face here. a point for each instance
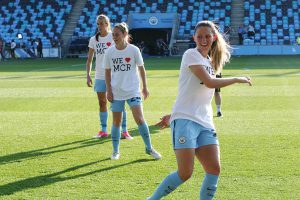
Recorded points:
(204, 38)
(102, 25)
(118, 36)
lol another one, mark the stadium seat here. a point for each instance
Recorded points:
(191, 12)
(279, 17)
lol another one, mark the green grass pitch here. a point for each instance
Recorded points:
(48, 117)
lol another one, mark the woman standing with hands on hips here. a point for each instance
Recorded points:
(124, 63)
(192, 126)
(98, 45)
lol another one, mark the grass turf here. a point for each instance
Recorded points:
(48, 116)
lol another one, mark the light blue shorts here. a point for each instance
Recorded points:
(119, 105)
(100, 85)
(191, 135)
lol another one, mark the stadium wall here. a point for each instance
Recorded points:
(240, 50)
(28, 53)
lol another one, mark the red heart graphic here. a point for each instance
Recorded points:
(108, 44)
(127, 59)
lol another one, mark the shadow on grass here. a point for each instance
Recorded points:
(27, 155)
(152, 128)
(18, 157)
(39, 181)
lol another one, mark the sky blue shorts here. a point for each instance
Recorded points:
(100, 85)
(191, 135)
(119, 105)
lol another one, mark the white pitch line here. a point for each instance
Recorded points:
(37, 70)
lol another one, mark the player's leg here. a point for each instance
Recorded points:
(184, 134)
(125, 133)
(100, 88)
(209, 156)
(185, 163)
(218, 101)
(137, 112)
(117, 107)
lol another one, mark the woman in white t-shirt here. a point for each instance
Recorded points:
(124, 63)
(13, 46)
(192, 117)
(98, 45)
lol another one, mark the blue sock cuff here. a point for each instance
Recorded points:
(115, 137)
(209, 186)
(115, 127)
(211, 178)
(143, 126)
(103, 120)
(169, 184)
(177, 178)
(144, 131)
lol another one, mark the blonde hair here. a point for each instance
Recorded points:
(123, 27)
(220, 49)
(106, 21)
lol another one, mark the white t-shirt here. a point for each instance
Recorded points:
(124, 64)
(100, 47)
(194, 98)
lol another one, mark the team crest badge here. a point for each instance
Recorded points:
(181, 140)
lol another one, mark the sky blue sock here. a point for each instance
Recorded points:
(115, 137)
(144, 131)
(169, 184)
(209, 187)
(103, 120)
(124, 127)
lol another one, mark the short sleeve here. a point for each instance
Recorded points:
(91, 43)
(138, 57)
(191, 57)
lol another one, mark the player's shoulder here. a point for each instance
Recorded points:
(191, 51)
(92, 39)
(132, 46)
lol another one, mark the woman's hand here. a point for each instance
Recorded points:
(145, 93)
(110, 96)
(164, 122)
(244, 80)
(89, 81)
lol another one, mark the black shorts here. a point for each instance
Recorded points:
(218, 76)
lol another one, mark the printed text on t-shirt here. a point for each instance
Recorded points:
(210, 70)
(101, 47)
(121, 64)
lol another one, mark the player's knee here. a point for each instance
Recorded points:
(102, 103)
(216, 170)
(185, 175)
(140, 120)
(117, 123)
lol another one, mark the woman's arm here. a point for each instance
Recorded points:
(212, 82)
(145, 91)
(89, 61)
(109, 97)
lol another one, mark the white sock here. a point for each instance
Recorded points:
(218, 108)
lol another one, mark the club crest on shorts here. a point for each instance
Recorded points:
(182, 140)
